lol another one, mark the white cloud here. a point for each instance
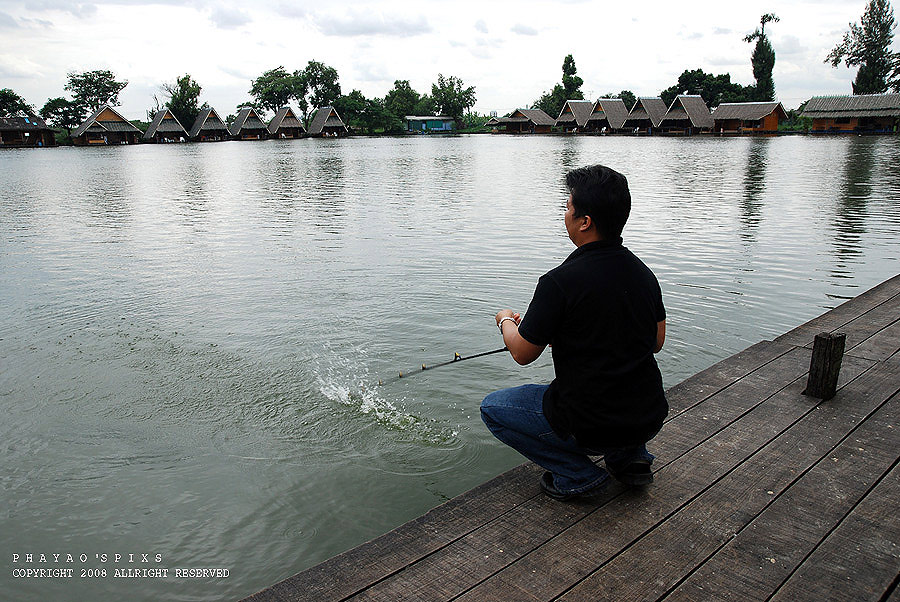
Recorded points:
(229, 18)
(77, 9)
(481, 26)
(523, 30)
(358, 22)
(7, 22)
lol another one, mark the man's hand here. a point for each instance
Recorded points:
(522, 351)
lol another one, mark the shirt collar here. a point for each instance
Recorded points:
(598, 246)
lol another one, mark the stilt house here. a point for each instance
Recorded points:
(645, 115)
(748, 117)
(26, 130)
(248, 126)
(327, 123)
(526, 121)
(607, 115)
(687, 116)
(574, 115)
(285, 124)
(165, 127)
(105, 126)
(865, 113)
(209, 127)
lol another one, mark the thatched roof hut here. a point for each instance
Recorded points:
(861, 113)
(327, 122)
(609, 113)
(522, 121)
(285, 124)
(105, 126)
(688, 115)
(25, 130)
(209, 127)
(248, 126)
(646, 114)
(575, 114)
(165, 127)
(748, 117)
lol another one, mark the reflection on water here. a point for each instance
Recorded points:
(191, 332)
(754, 186)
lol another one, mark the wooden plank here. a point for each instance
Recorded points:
(551, 569)
(464, 563)
(860, 559)
(761, 486)
(840, 315)
(873, 321)
(881, 345)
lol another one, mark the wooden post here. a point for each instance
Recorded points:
(825, 365)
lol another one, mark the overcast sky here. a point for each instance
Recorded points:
(510, 51)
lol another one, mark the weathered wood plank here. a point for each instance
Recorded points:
(842, 314)
(760, 487)
(551, 569)
(872, 322)
(517, 532)
(860, 558)
(881, 345)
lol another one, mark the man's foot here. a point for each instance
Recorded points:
(549, 489)
(635, 473)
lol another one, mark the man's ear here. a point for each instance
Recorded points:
(586, 224)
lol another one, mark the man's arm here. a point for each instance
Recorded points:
(522, 351)
(660, 336)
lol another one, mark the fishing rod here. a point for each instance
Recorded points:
(456, 358)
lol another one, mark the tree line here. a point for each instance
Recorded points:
(865, 45)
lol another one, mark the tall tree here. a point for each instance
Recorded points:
(867, 44)
(402, 99)
(763, 60)
(316, 86)
(274, 88)
(93, 89)
(451, 98)
(62, 113)
(570, 89)
(184, 100)
(11, 104)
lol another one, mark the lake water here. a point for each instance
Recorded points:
(190, 334)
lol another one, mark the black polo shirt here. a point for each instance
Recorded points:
(599, 310)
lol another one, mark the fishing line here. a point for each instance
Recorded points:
(456, 359)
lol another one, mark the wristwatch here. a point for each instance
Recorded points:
(502, 320)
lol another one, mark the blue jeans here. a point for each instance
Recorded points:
(516, 417)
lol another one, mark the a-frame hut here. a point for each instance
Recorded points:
(248, 126)
(209, 127)
(645, 115)
(526, 121)
(607, 115)
(165, 127)
(687, 115)
(105, 126)
(285, 124)
(327, 123)
(748, 117)
(574, 115)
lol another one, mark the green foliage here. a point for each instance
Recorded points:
(141, 125)
(352, 107)
(867, 45)
(450, 98)
(184, 98)
(715, 89)
(553, 101)
(794, 122)
(627, 97)
(425, 106)
(274, 89)
(316, 86)
(12, 105)
(364, 115)
(763, 61)
(402, 100)
(474, 122)
(62, 113)
(93, 89)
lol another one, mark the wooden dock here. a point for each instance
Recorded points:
(760, 493)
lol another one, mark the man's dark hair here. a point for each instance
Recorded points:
(601, 193)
